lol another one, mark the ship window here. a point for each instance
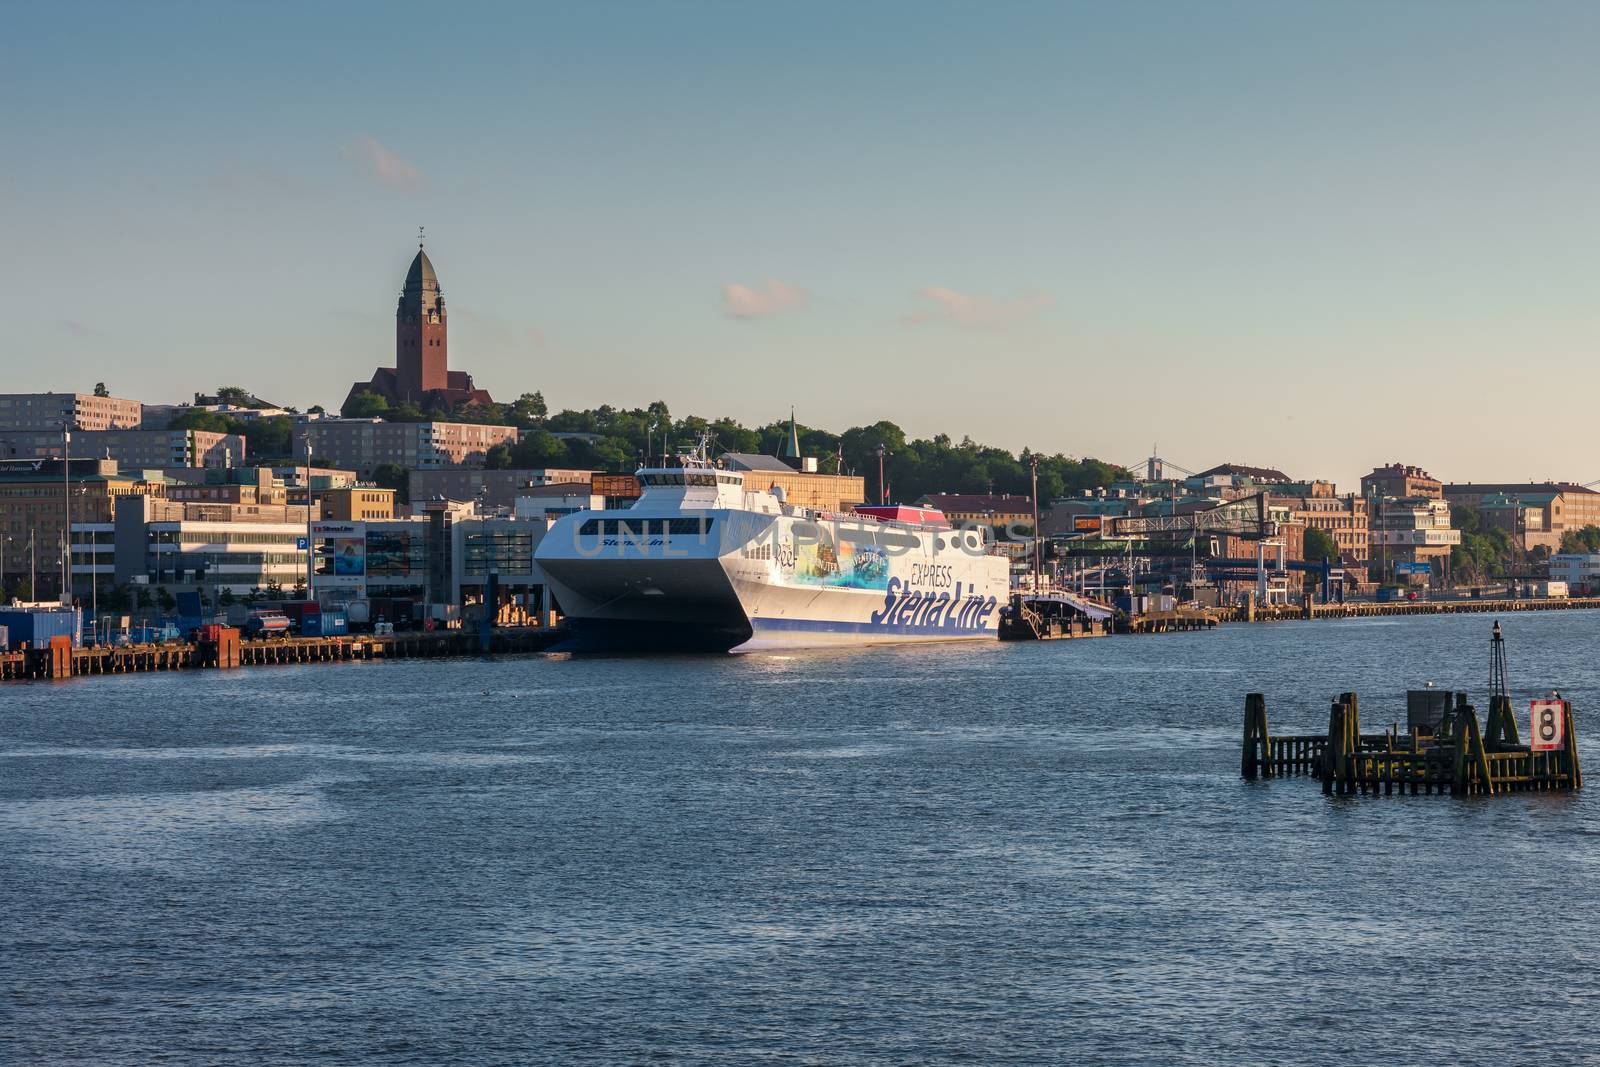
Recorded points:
(695, 527)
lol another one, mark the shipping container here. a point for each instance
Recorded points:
(298, 610)
(36, 626)
(328, 623)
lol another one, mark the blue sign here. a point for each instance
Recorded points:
(1413, 568)
(301, 544)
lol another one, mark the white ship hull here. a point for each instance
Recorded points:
(725, 578)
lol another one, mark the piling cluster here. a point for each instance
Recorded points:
(1457, 758)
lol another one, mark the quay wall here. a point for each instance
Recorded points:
(62, 661)
(1473, 606)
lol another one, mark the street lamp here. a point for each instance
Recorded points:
(311, 554)
(483, 543)
(66, 512)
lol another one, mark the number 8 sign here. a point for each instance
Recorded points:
(1547, 719)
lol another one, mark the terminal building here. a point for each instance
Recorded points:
(439, 561)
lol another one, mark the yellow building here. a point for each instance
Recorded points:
(351, 503)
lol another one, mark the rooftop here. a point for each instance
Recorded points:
(1240, 470)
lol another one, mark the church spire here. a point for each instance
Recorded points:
(791, 444)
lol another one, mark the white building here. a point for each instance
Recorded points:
(151, 543)
(1580, 571)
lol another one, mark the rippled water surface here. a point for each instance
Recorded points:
(987, 854)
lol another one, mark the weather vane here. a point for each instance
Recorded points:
(419, 236)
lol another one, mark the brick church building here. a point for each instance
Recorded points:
(421, 374)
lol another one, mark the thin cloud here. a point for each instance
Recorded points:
(974, 312)
(773, 298)
(378, 164)
(76, 328)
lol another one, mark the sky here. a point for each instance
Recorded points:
(1318, 237)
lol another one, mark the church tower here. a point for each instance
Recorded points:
(422, 362)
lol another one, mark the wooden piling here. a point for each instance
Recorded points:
(1459, 759)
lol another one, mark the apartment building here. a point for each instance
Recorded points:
(363, 445)
(52, 411)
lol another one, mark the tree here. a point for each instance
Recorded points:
(225, 596)
(498, 457)
(394, 476)
(101, 390)
(1320, 545)
(316, 409)
(529, 410)
(541, 448)
(366, 405)
(165, 600)
(233, 394)
(1584, 541)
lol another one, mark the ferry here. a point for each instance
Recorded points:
(706, 561)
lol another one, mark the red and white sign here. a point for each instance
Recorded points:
(1547, 720)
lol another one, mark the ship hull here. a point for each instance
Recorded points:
(760, 582)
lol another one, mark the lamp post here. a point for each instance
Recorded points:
(66, 512)
(311, 552)
(483, 544)
(883, 495)
(1037, 547)
(5, 550)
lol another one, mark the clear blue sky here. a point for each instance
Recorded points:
(1316, 236)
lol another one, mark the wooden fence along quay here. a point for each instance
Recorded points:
(61, 660)
(1458, 758)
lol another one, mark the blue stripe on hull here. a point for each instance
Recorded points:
(874, 629)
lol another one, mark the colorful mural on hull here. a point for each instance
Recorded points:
(848, 565)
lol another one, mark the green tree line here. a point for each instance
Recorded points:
(617, 439)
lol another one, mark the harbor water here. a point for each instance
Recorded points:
(980, 853)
